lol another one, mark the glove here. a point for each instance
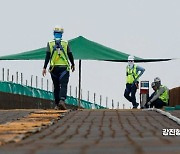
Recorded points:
(136, 83)
(44, 72)
(149, 103)
(72, 68)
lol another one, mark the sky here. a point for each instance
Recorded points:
(144, 28)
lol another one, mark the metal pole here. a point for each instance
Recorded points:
(94, 98)
(3, 74)
(21, 78)
(100, 99)
(88, 97)
(79, 95)
(36, 81)
(76, 92)
(7, 74)
(12, 78)
(47, 84)
(112, 104)
(31, 80)
(106, 102)
(17, 77)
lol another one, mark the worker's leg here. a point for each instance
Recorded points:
(63, 84)
(55, 80)
(127, 92)
(133, 95)
(159, 103)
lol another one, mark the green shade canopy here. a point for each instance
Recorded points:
(82, 49)
(85, 49)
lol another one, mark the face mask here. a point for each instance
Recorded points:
(130, 64)
(57, 36)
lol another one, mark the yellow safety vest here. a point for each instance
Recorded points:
(56, 59)
(131, 74)
(164, 96)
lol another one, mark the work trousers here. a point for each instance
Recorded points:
(158, 103)
(131, 89)
(60, 78)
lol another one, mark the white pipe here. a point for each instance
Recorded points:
(169, 115)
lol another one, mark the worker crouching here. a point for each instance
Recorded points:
(160, 96)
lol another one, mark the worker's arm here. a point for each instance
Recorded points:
(48, 54)
(156, 96)
(71, 58)
(141, 70)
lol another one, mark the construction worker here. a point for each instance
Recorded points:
(160, 97)
(133, 72)
(59, 55)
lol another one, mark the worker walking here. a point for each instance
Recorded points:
(59, 54)
(133, 72)
(160, 97)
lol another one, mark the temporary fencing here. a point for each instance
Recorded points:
(14, 88)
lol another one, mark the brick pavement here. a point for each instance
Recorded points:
(175, 113)
(102, 131)
(12, 115)
(15, 131)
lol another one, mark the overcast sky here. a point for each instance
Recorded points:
(145, 28)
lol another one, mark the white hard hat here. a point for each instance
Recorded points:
(131, 58)
(157, 79)
(58, 29)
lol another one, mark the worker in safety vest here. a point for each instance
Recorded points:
(59, 54)
(160, 97)
(133, 72)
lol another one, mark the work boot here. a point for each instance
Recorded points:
(135, 107)
(56, 107)
(62, 105)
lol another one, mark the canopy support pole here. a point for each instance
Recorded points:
(79, 94)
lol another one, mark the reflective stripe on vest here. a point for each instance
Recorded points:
(131, 74)
(164, 96)
(59, 59)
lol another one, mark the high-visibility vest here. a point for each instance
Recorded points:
(58, 59)
(131, 74)
(164, 96)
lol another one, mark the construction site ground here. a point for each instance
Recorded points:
(88, 132)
